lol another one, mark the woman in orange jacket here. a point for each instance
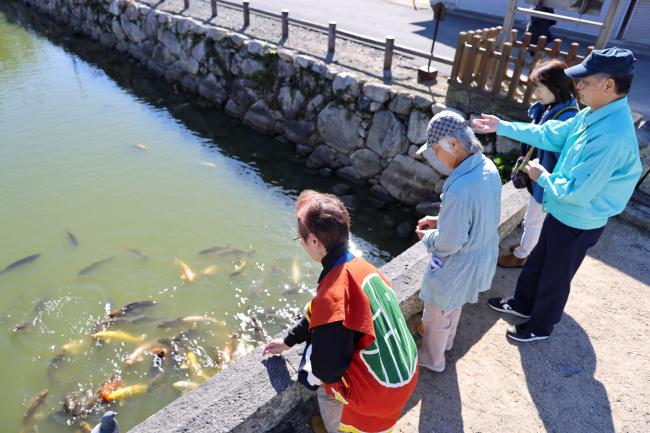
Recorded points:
(359, 349)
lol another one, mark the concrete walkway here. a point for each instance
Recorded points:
(591, 376)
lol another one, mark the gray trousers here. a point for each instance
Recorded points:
(330, 410)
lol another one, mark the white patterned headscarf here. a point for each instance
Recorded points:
(448, 123)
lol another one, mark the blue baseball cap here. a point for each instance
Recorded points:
(617, 62)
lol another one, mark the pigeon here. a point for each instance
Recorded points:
(108, 424)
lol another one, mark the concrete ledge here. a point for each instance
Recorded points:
(249, 397)
(255, 395)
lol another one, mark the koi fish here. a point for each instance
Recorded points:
(236, 252)
(72, 238)
(136, 356)
(36, 403)
(196, 319)
(109, 387)
(21, 326)
(235, 349)
(80, 406)
(75, 346)
(156, 381)
(55, 364)
(291, 291)
(127, 391)
(24, 261)
(108, 336)
(131, 308)
(105, 324)
(136, 252)
(295, 271)
(85, 427)
(184, 385)
(210, 270)
(190, 319)
(195, 367)
(239, 268)
(38, 309)
(91, 267)
(160, 356)
(188, 275)
(213, 250)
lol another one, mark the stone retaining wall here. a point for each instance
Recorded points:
(366, 132)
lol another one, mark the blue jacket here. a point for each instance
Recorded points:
(599, 163)
(537, 112)
(465, 245)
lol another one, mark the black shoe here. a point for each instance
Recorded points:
(504, 305)
(524, 334)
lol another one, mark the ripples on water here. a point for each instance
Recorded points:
(94, 146)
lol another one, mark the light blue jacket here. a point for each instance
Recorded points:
(465, 245)
(599, 163)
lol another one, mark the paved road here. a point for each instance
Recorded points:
(414, 28)
(411, 28)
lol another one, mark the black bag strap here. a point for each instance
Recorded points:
(564, 110)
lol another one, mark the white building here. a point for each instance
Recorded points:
(632, 23)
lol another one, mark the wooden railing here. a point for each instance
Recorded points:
(480, 66)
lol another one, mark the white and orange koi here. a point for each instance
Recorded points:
(137, 354)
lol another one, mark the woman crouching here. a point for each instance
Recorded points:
(359, 352)
(463, 239)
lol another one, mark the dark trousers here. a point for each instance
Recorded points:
(545, 281)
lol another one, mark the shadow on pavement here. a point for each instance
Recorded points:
(560, 378)
(559, 374)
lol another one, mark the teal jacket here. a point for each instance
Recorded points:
(599, 163)
(465, 245)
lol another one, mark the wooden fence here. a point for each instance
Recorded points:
(480, 66)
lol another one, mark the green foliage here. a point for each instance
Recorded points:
(504, 163)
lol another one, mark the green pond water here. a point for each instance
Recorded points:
(94, 146)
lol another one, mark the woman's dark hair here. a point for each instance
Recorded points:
(551, 74)
(325, 216)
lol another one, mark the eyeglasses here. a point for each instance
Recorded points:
(297, 238)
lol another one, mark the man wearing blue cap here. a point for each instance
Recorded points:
(593, 180)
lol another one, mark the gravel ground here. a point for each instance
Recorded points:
(590, 376)
(350, 56)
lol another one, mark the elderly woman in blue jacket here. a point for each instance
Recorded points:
(463, 239)
(555, 94)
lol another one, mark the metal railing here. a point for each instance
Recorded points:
(331, 30)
